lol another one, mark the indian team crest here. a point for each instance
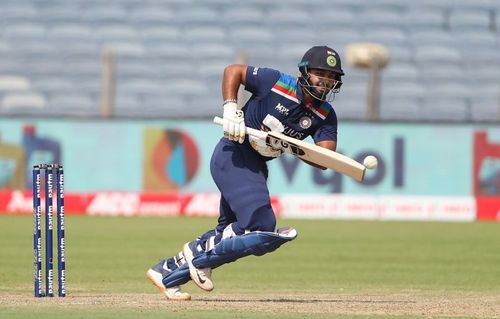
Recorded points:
(305, 122)
(331, 61)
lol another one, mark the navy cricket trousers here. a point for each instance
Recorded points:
(241, 173)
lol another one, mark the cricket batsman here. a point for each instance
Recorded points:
(295, 106)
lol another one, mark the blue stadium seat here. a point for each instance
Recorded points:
(423, 37)
(151, 15)
(60, 13)
(168, 50)
(242, 16)
(83, 67)
(70, 32)
(203, 106)
(478, 20)
(400, 71)
(386, 5)
(381, 18)
(250, 36)
(401, 54)
(165, 105)
(127, 105)
(212, 51)
(52, 84)
(74, 49)
(403, 89)
(34, 49)
(437, 54)
(5, 47)
(159, 33)
(186, 87)
(354, 75)
(473, 4)
(484, 56)
(139, 86)
(477, 40)
(448, 89)
(438, 72)
(72, 103)
(386, 36)
(484, 73)
(490, 90)
(115, 32)
(182, 44)
(12, 67)
(128, 68)
(334, 17)
(339, 37)
(109, 13)
(24, 31)
(283, 17)
(197, 16)
(438, 5)
(125, 47)
(425, 19)
(90, 85)
(44, 67)
(349, 107)
(445, 109)
(205, 34)
(23, 103)
(401, 109)
(18, 13)
(295, 34)
(175, 68)
(14, 83)
(213, 70)
(485, 109)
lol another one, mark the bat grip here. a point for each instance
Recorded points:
(249, 130)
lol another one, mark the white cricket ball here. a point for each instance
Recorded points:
(370, 162)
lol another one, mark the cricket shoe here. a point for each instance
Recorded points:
(201, 276)
(156, 274)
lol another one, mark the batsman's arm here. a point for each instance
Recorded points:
(234, 75)
(331, 145)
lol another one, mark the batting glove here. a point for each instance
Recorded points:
(233, 122)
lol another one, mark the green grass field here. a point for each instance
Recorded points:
(338, 269)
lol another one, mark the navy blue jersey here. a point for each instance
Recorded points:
(278, 94)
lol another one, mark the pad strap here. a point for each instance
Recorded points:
(177, 277)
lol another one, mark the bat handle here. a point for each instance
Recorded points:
(250, 131)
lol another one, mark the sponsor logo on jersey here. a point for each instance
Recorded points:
(292, 133)
(283, 110)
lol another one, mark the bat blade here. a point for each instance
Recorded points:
(310, 152)
(318, 155)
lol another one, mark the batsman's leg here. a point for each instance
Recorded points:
(255, 243)
(163, 269)
(241, 176)
(203, 277)
(169, 274)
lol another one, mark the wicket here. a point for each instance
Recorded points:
(37, 233)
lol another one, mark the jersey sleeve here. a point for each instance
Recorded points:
(327, 131)
(260, 81)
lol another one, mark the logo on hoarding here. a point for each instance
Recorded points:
(171, 159)
(486, 166)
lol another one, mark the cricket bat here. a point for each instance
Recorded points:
(309, 152)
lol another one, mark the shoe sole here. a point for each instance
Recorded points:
(192, 270)
(152, 277)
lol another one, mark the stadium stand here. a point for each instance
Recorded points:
(445, 64)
